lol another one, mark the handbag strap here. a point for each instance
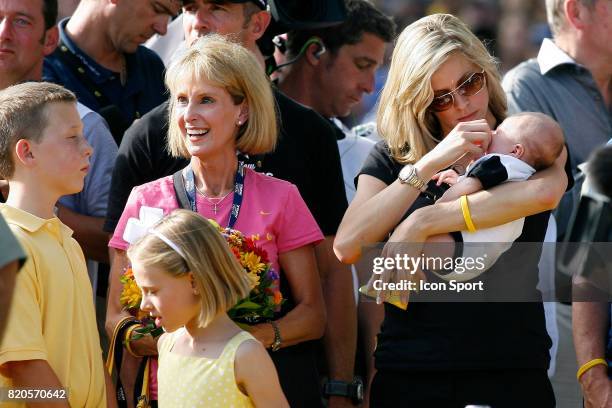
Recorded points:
(179, 189)
(143, 399)
(110, 363)
(115, 355)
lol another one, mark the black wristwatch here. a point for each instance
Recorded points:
(352, 390)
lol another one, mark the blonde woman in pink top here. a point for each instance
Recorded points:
(221, 103)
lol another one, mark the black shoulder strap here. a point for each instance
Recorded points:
(179, 190)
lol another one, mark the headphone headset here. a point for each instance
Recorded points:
(320, 47)
(312, 40)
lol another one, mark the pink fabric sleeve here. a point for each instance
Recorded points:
(298, 227)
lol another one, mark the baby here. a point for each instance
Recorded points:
(522, 144)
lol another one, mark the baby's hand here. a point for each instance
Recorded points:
(447, 176)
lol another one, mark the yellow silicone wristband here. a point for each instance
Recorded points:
(467, 217)
(588, 365)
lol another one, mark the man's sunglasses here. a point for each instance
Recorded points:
(471, 86)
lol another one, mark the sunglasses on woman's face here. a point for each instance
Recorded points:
(471, 86)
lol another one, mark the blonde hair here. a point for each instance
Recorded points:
(403, 119)
(235, 69)
(218, 277)
(23, 116)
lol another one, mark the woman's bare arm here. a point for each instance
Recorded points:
(363, 222)
(307, 319)
(502, 204)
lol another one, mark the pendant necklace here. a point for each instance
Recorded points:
(214, 201)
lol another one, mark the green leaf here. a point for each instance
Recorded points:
(246, 305)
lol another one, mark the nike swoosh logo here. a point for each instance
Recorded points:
(264, 213)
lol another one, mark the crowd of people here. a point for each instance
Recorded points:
(126, 170)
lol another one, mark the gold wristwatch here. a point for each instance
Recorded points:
(408, 175)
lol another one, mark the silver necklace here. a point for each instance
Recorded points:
(214, 201)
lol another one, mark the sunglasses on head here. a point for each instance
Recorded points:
(471, 86)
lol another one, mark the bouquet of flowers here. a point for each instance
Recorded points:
(265, 297)
(261, 303)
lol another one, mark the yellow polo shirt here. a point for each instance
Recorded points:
(52, 316)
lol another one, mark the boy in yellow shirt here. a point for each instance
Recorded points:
(51, 340)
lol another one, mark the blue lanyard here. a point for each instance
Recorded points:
(189, 179)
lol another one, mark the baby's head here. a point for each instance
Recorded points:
(186, 271)
(533, 137)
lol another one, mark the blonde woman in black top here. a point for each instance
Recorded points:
(441, 102)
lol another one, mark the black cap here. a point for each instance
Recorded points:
(262, 4)
(306, 15)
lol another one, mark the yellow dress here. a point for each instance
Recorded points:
(188, 381)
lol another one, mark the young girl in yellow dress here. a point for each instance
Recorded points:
(189, 280)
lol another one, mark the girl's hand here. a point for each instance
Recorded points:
(447, 176)
(467, 138)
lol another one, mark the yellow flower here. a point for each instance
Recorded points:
(254, 279)
(130, 295)
(235, 241)
(252, 262)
